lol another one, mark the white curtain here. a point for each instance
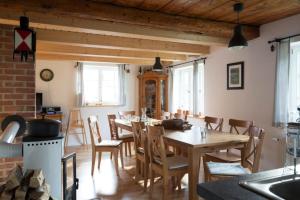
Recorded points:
(282, 83)
(294, 80)
(170, 89)
(79, 84)
(198, 86)
(122, 84)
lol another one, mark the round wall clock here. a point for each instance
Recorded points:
(46, 74)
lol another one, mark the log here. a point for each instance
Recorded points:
(41, 193)
(37, 179)
(21, 192)
(6, 195)
(14, 179)
(27, 176)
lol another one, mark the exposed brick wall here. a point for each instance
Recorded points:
(17, 89)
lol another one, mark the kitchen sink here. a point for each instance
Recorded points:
(276, 187)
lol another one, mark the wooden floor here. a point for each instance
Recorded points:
(106, 185)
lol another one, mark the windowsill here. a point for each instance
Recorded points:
(101, 105)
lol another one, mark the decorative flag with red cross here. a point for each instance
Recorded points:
(24, 40)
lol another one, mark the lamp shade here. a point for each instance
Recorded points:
(237, 41)
(157, 65)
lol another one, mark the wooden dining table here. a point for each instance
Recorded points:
(197, 144)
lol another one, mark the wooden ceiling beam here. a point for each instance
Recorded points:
(45, 56)
(108, 12)
(115, 42)
(75, 24)
(101, 52)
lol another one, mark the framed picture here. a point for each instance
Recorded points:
(235, 76)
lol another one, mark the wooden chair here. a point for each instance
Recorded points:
(126, 137)
(160, 164)
(141, 155)
(122, 114)
(75, 122)
(166, 115)
(231, 155)
(186, 114)
(213, 123)
(99, 146)
(236, 126)
(253, 149)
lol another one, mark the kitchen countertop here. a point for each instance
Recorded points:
(230, 189)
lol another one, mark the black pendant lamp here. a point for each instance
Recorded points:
(157, 67)
(238, 41)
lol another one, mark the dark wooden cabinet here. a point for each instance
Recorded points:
(153, 93)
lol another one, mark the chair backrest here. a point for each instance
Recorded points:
(156, 146)
(138, 136)
(181, 114)
(236, 126)
(186, 114)
(179, 111)
(253, 148)
(122, 114)
(178, 116)
(112, 127)
(94, 129)
(166, 115)
(213, 123)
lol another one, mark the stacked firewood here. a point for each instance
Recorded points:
(28, 186)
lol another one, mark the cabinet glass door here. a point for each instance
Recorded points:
(150, 98)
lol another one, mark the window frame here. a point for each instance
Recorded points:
(100, 67)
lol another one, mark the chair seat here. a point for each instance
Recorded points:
(142, 151)
(228, 157)
(175, 162)
(125, 135)
(226, 169)
(109, 143)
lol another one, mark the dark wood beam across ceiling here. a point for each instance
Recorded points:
(112, 13)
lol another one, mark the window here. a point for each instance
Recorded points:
(294, 81)
(183, 88)
(188, 88)
(101, 84)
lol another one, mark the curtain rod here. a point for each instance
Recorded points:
(283, 38)
(188, 62)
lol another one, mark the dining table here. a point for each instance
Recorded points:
(197, 141)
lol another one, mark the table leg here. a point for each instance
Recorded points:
(194, 162)
(243, 163)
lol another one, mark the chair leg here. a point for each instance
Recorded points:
(121, 156)
(152, 175)
(111, 155)
(206, 173)
(145, 176)
(99, 159)
(166, 184)
(129, 147)
(137, 169)
(66, 137)
(93, 162)
(84, 140)
(174, 182)
(116, 162)
(67, 132)
(125, 148)
(179, 178)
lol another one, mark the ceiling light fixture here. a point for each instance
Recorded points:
(238, 41)
(157, 67)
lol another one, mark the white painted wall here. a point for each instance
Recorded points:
(61, 92)
(255, 102)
